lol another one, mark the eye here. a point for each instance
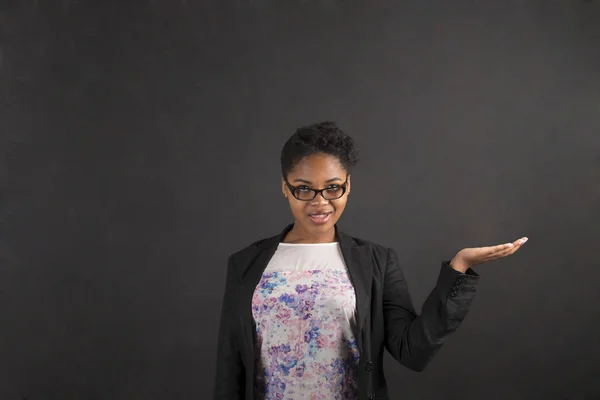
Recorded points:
(333, 187)
(303, 188)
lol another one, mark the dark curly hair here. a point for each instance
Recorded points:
(324, 137)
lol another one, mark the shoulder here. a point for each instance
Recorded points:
(252, 249)
(380, 254)
(369, 243)
(364, 243)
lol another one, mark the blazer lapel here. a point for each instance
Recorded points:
(360, 269)
(250, 275)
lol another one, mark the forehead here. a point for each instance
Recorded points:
(318, 167)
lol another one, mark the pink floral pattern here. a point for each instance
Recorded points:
(305, 346)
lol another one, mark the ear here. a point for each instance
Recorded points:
(348, 186)
(283, 187)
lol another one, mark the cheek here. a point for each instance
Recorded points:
(340, 205)
(297, 207)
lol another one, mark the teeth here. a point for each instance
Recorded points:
(319, 215)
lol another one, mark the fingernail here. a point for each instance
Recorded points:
(524, 240)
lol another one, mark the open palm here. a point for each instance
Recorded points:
(471, 256)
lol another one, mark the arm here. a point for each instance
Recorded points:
(229, 379)
(413, 340)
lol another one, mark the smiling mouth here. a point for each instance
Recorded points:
(320, 218)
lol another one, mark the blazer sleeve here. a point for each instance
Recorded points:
(413, 340)
(229, 377)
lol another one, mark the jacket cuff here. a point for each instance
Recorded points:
(452, 282)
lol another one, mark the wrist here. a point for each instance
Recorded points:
(459, 265)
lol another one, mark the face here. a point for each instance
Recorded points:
(316, 218)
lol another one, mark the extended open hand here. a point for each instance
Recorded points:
(469, 257)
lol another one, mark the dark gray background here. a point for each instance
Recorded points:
(140, 147)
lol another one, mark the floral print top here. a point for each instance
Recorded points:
(303, 308)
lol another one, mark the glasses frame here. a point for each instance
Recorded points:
(316, 191)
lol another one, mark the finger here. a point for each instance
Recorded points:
(516, 246)
(508, 252)
(498, 248)
(523, 240)
(508, 247)
(512, 249)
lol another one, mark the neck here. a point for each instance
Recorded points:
(299, 235)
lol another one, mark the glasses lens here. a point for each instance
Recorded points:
(333, 193)
(305, 194)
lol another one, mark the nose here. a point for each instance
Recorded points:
(319, 199)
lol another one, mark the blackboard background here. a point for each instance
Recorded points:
(139, 146)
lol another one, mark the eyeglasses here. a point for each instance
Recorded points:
(305, 193)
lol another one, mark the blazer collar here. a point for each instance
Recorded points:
(271, 243)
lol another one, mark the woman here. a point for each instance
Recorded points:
(307, 313)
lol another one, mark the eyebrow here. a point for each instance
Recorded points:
(309, 182)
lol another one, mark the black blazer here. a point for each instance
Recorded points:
(384, 313)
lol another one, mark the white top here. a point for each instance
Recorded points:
(304, 308)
